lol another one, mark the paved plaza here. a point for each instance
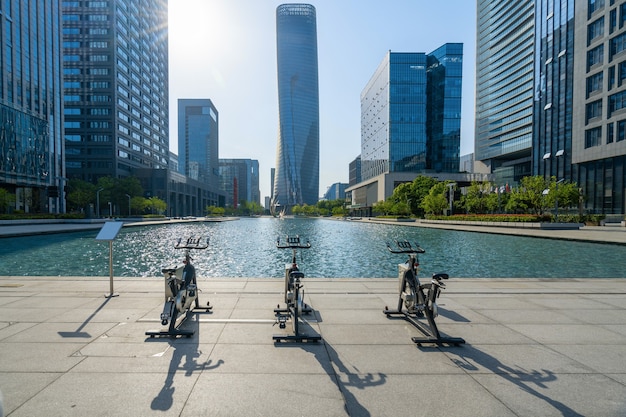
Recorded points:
(533, 347)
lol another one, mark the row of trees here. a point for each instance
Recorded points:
(426, 195)
(82, 194)
(245, 208)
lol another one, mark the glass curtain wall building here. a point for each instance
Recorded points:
(504, 87)
(393, 116)
(239, 181)
(444, 84)
(411, 113)
(115, 87)
(554, 82)
(198, 141)
(31, 145)
(297, 155)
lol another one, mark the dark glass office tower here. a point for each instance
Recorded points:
(411, 113)
(31, 146)
(504, 87)
(297, 154)
(443, 128)
(198, 141)
(115, 87)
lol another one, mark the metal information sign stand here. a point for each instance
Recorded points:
(109, 232)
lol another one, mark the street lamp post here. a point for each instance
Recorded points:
(128, 204)
(557, 155)
(450, 195)
(98, 202)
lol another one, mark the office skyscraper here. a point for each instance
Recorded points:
(297, 154)
(115, 87)
(504, 87)
(198, 141)
(31, 144)
(411, 113)
(239, 181)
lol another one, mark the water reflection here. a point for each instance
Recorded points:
(246, 248)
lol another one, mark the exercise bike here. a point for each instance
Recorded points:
(181, 292)
(294, 294)
(418, 301)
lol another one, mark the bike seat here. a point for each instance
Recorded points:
(440, 276)
(296, 274)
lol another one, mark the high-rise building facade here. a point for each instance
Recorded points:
(31, 144)
(444, 74)
(393, 116)
(239, 181)
(198, 141)
(115, 87)
(578, 128)
(598, 143)
(411, 113)
(504, 87)
(554, 79)
(297, 155)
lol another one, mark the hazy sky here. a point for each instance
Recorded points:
(225, 50)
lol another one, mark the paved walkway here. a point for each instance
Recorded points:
(535, 347)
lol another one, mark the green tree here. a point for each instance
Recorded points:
(80, 194)
(435, 202)
(215, 211)
(156, 205)
(7, 199)
(138, 204)
(529, 196)
(476, 199)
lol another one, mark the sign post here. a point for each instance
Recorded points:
(109, 232)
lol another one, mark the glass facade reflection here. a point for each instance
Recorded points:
(198, 141)
(31, 149)
(115, 87)
(504, 87)
(411, 113)
(554, 86)
(239, 181)
(444, 74)
(296, 179)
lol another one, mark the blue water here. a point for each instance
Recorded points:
(247, 248)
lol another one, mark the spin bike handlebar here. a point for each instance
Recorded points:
(191, 243)
(293, 242)
(405, 246)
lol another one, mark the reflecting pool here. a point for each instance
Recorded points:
(247, 248)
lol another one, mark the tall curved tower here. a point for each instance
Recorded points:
(296, 178)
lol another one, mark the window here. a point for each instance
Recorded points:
(595, 30)
(592, 137)
(594, 83)
(595, 56)
(71, 111)
(72, 138)
(616, 102)
(71, 84)
(99, 125)
(71, 98)
(621, 130)
(71, 125)
(610, 134)
(617, 45)
(593, 110)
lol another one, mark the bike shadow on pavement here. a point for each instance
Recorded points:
(185, 355)
(533, 381)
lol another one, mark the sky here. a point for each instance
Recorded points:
(225, 50)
